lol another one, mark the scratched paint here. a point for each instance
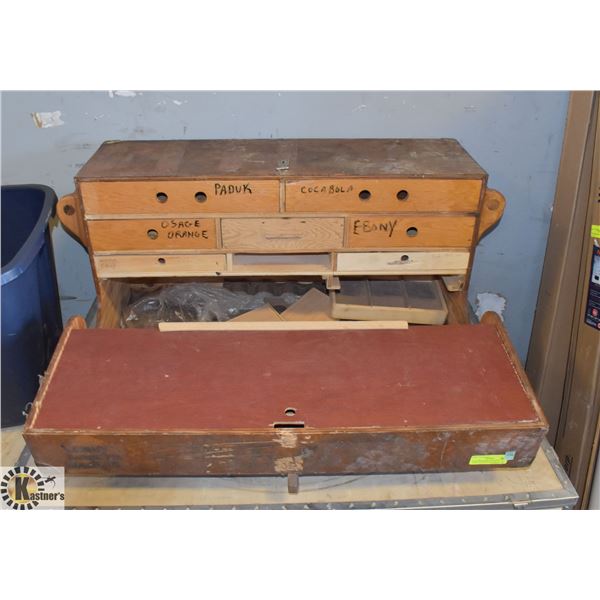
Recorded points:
(287, 439)
(489, 301)
(47, 119)
(289, 464)
(123, 93)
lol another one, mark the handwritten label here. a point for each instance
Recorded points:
(224, 189)
(364, 226)
(326, 189)
(185, 228)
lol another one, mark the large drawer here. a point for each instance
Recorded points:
(171, 197)
(316, 233)
(152, 234)
(385, 195)
(422, 231)
(158, 265)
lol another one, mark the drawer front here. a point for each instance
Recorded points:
(423, 263)
(150, 265)
(282, 234)
(152, 234)
(374, 195)
(184, 197)
(391, 231)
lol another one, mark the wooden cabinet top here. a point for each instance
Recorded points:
(292, 158)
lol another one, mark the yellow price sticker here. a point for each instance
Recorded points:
(488, 459)
(596, 231)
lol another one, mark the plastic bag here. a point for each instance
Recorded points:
(198, 302)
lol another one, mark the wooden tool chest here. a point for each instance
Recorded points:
(272, 207)
(315, 400)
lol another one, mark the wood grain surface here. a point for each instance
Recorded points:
(356, 195)
(424, 263)
(172, 197)
(158, 265)
(191, 159)
(319, 233)
(152, 234)
(419, 231)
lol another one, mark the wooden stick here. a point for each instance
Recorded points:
(281, 325)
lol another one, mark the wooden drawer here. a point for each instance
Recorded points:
(152, 234)
(390, 231)
(372, 195)
(171, 197)
(282, 234)
(423, 263)
(151, 265)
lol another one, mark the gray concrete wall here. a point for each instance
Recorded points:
(516, 137)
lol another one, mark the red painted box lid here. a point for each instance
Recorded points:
(145, 380)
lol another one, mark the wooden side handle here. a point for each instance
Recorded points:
(492, 211)
(69, 213)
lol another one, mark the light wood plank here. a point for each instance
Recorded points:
(430, 263)
(150, 265)
(281, 326)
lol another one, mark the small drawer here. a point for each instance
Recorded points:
(184, 197)
(391, 231)
(384, 195)
(156, 265)
(422, 263)
(282, 234)
(112, 235)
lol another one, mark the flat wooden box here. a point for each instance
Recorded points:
(424, 399)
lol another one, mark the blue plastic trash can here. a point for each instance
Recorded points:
(31, 319)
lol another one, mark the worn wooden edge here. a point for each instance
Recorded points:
(542, 484)
(492, 210)
(306, 430)
(77, 322)
(457, 176)
(280, 326)
(493, 319)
